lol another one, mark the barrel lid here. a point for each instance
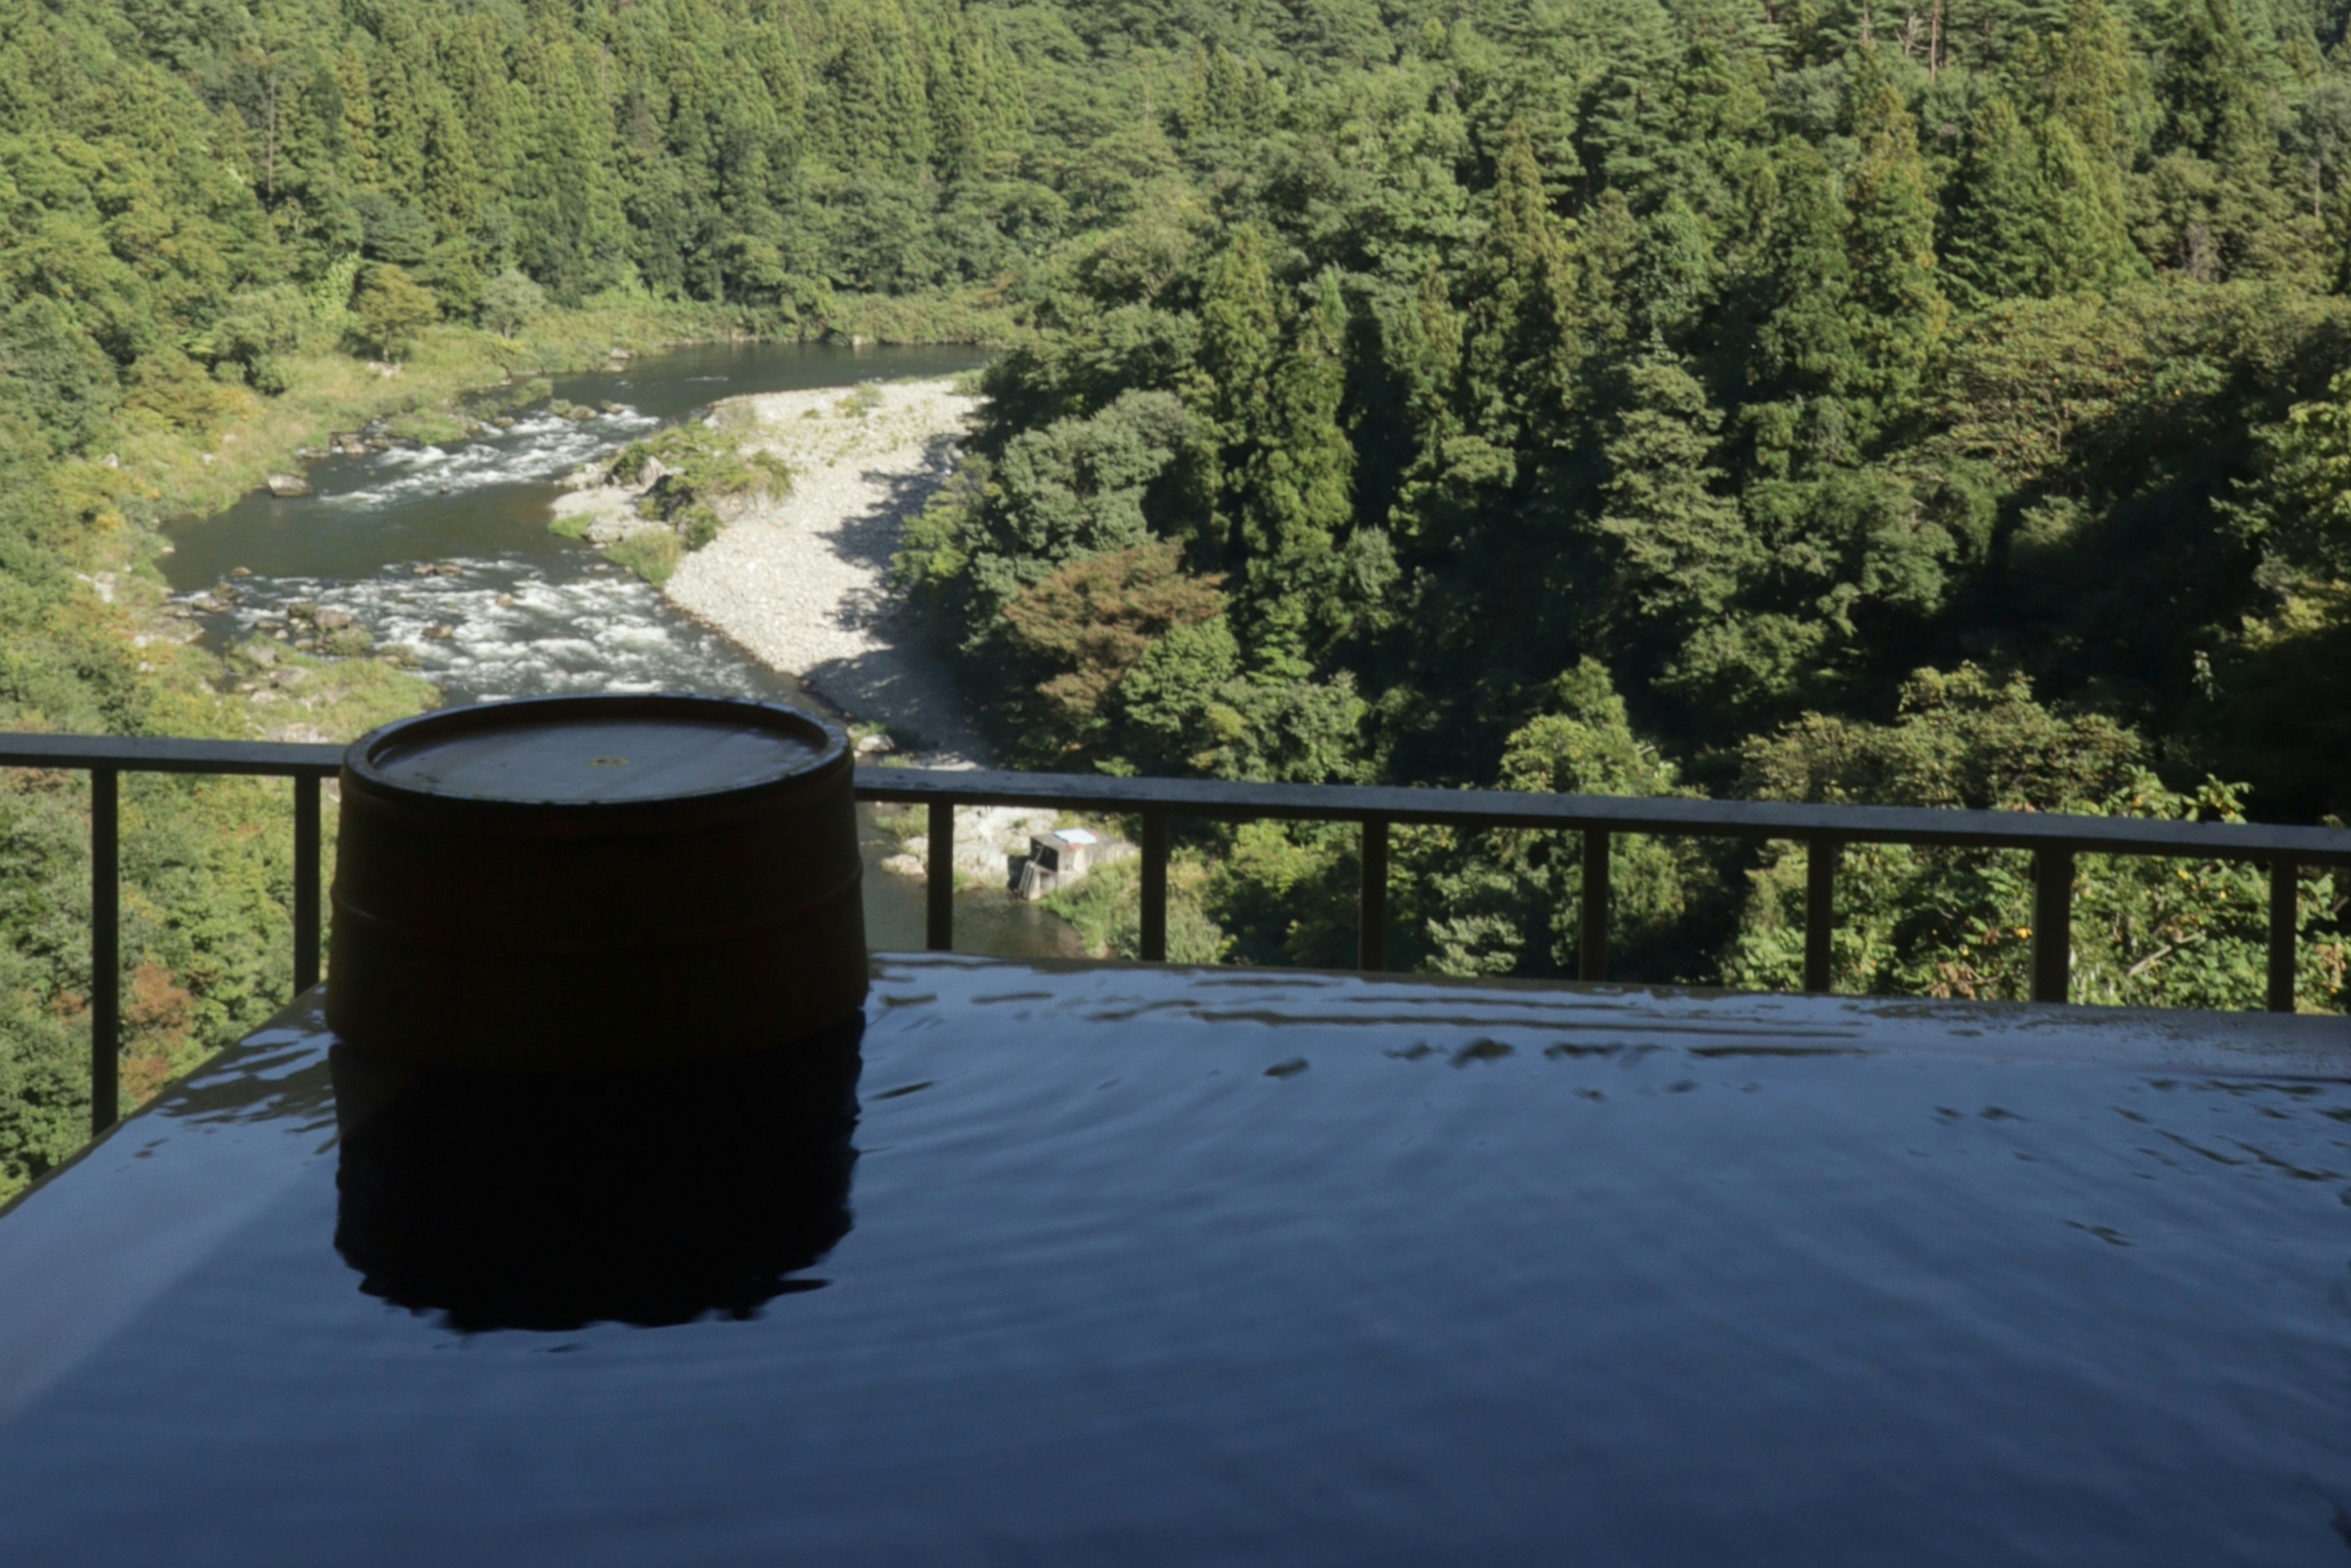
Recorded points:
(595, 750)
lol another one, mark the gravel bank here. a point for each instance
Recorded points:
(800, 584)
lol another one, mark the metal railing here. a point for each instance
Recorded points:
(2053, 839)
(106, 759)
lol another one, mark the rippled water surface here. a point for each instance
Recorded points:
(1157, 1267)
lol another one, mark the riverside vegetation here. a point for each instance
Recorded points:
(1801, 400)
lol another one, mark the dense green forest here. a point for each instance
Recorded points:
(1786, 398)
(1797, 401)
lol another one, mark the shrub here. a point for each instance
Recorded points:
(260, 327)
(652, 554)
(392, 308)
(511, 301)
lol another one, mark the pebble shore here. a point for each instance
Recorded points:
(802, 582)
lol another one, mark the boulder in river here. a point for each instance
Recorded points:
(286, 486)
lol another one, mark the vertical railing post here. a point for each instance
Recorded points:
(2286, 888)
(306, 882)
(1372, 942)
(105, 948)
(1595, 954)
(938, 881)
(1820, 911)
(1153, 916)
(2053, 924)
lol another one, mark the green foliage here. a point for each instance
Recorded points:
(1505, 903)
(651, 553)
(1758, 366)
(1296, 496)
(511, 301)
(1077, 487)
(1520, 346)
(1683, 549)
(1954, 923)
(1106, 907)
(2039, 213)
(63, 382)
(1091, 623)
(700, 478)
(2298, 509)
(259, 330)
(391, 309)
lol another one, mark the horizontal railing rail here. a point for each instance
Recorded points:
(2054, 839)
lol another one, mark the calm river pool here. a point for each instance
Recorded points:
(447, 550)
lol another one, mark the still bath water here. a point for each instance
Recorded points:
(445, 550)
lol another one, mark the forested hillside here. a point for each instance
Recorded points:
(1792, 399)
(1801, 402)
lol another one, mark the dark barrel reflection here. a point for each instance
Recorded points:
(547, 1201)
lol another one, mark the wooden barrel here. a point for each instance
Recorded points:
(578, 883)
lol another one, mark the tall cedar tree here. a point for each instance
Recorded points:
(1895, 312)
(1299, 491)
(1682, 549)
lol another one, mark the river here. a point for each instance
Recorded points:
(445, 550)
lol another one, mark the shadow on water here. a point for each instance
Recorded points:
(550, 1201)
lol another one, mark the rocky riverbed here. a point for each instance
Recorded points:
(800, 582)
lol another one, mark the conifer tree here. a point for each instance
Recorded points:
(2211, 83)
(1239, 336)
(2099, 89)
(1805, 350)
(398, 118)
(571, 221)
(1300, 490)
(358, 106)
(477, 82)
(1896, 311)
(979, 117)
(1672, 277)
(1421, 337)
(1682, 549)
(1518, 348)
(2084, 232)
(1420, 347)
(1601, 305)
(1239, 330)
(881, 108)
(2216, 179)
(1994, 251)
